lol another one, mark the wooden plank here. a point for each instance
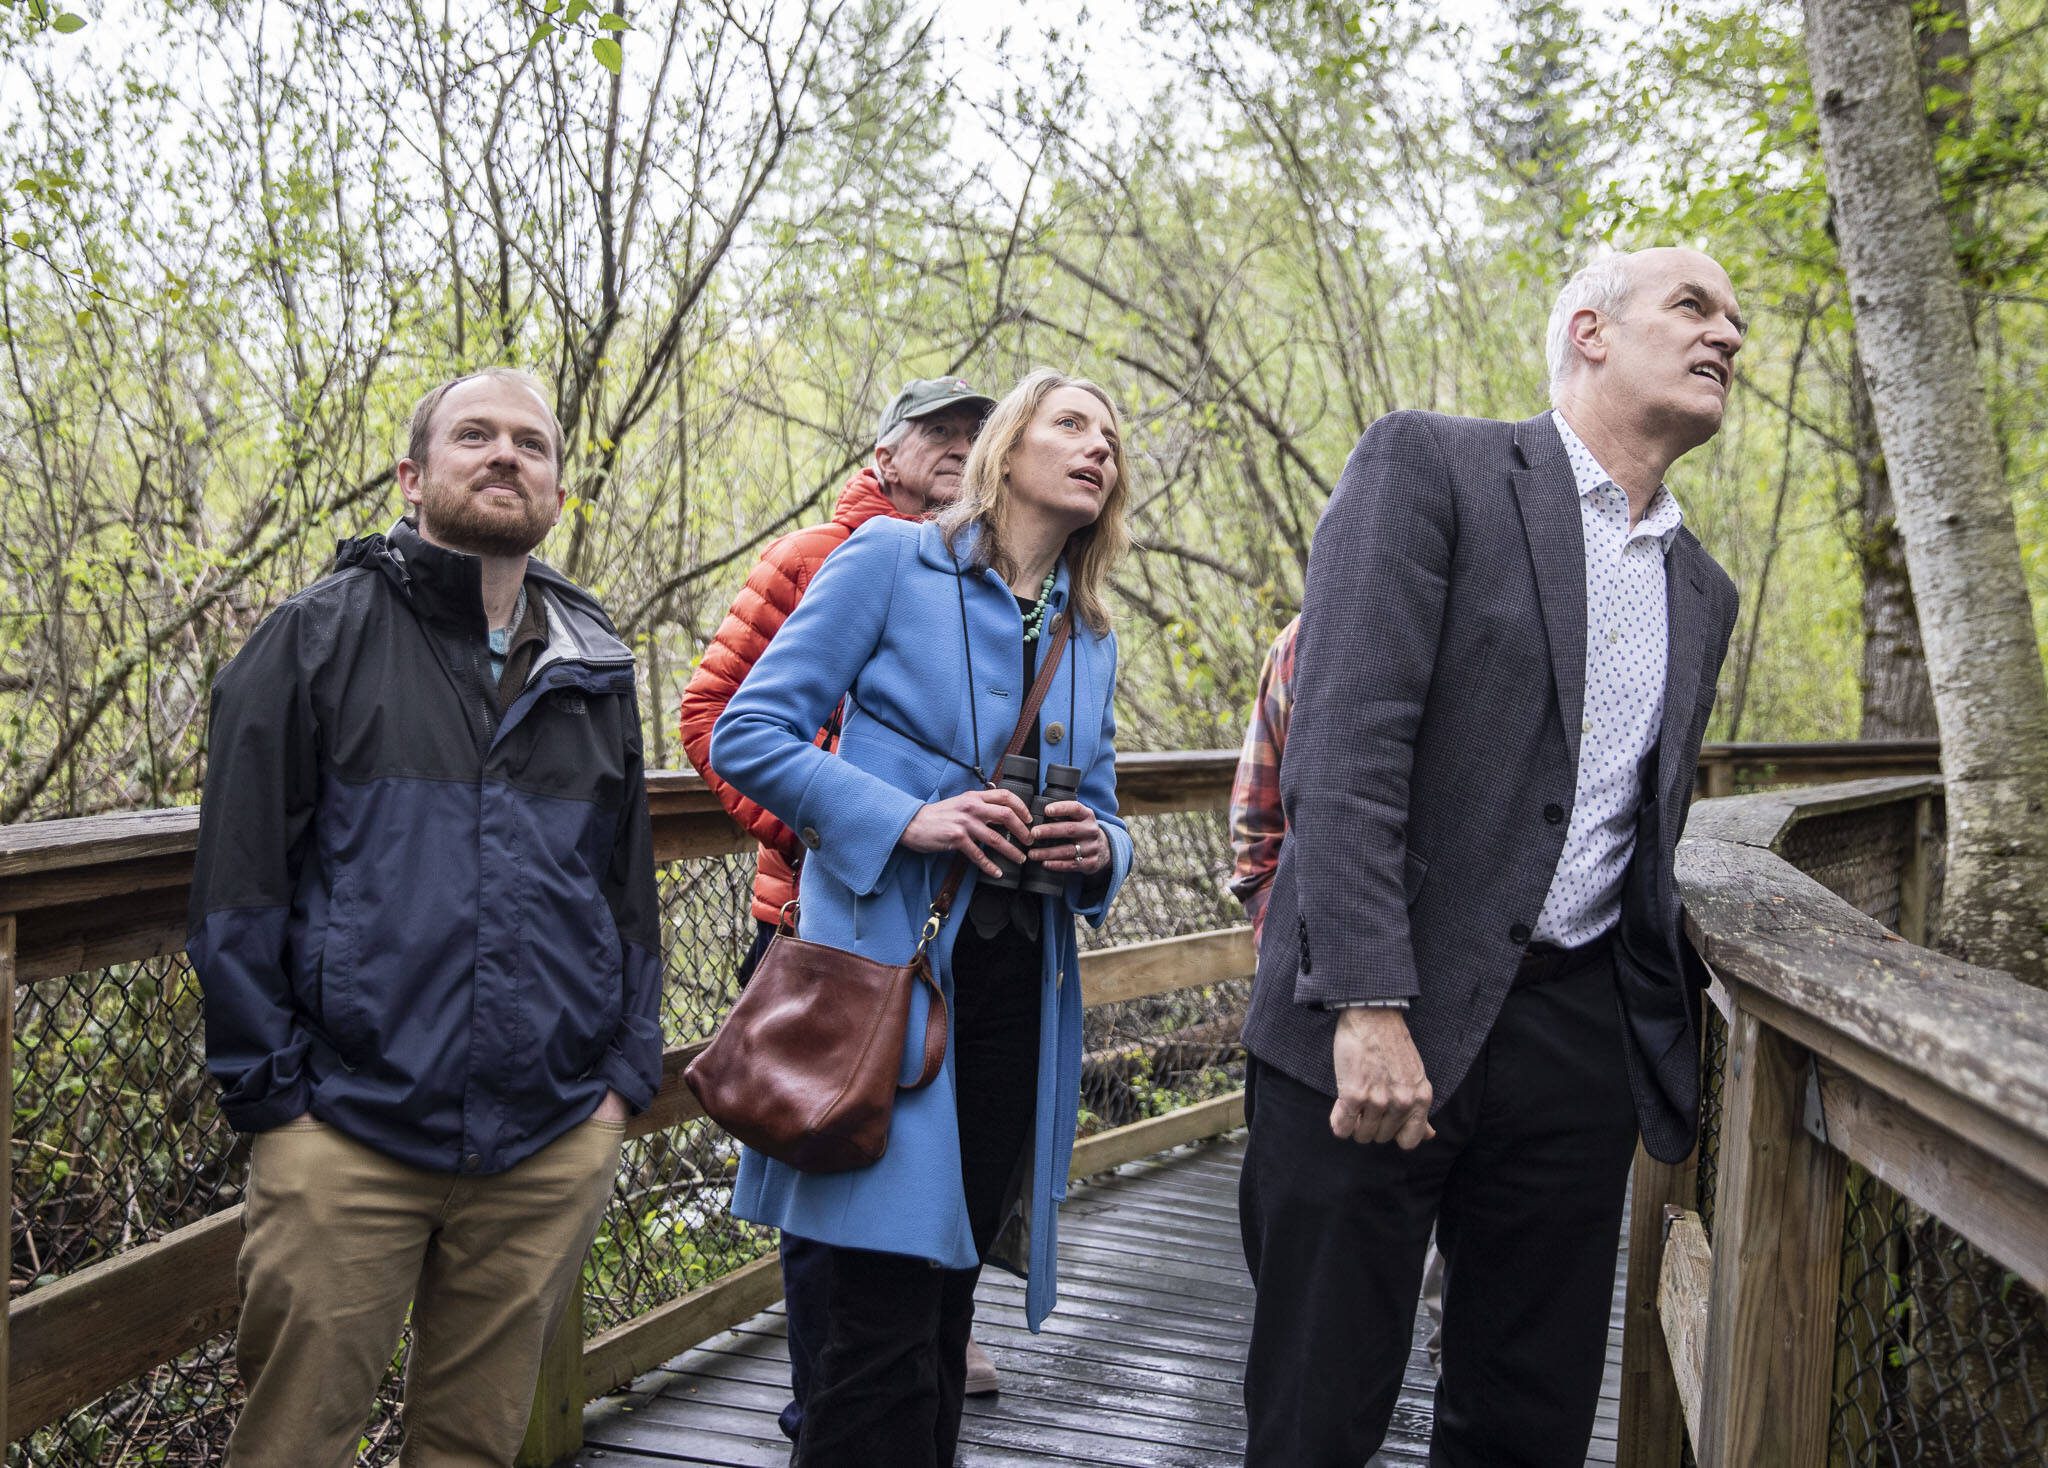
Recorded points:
(673, 1102)
(2010, 1143)
(554, 1426)
(1650, 1432)
(1139, 970)
(1682, 1295)
(85, 1334)
(40, 846)
(1144, 1138)
(78, 937)
(1916, 874)
(61, 861)
(643, 1343)
(1174, 780)
(1151, 1384)
(7, 1148)
(1776, 1264)
(66, 886)
(1996, 1208)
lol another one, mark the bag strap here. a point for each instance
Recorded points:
(1033, 701)
(935, 1014)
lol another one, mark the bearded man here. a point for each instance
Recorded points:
(425, 924)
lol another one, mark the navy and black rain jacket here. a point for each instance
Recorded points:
(432, 926)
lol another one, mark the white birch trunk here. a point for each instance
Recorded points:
(1962, 549)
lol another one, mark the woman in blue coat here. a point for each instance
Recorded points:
(932, 634)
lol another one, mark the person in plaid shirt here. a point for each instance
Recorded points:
(1257, 823)
(1257, 827)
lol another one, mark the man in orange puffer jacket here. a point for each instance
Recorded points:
(921, 445)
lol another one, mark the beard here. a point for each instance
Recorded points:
(463, 520)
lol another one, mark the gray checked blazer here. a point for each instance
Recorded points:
(1432, 758)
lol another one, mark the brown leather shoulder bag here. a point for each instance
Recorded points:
(804, 1068)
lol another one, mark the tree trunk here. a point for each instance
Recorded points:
(1990, 696)
(1898, 702)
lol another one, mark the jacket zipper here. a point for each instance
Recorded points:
(476, 669)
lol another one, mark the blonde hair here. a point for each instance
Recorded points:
(1090, 552)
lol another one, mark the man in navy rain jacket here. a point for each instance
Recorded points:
(425, 923)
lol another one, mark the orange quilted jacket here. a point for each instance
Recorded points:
(774, 587)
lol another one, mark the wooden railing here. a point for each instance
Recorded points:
(1846, 1043)
(84, 894)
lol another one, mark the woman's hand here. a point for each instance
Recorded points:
(1071, 840)
(968, 822)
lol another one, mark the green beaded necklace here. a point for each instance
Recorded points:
(1035, 623)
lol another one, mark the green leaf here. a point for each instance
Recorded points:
(576, 11)
(67, 23)
(540, 33)
(23, 238)
(610, 55)
(614, 23)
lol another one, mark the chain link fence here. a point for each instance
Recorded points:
(118, 1140)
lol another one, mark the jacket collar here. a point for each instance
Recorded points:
(863, 499)
(959, 558)
(446, 588)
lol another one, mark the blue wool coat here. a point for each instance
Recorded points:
(883, 624)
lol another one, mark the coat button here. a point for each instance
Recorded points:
(1553, 812)
(1055, 732)
(1519, 933)
(472, 1162)
(810, 837)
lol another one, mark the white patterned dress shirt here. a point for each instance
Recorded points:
(1627, 639)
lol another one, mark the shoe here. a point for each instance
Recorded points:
(981, 1372)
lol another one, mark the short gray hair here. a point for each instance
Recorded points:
(895, 434)
(1603, 286)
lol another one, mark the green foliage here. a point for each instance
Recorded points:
(220, 301)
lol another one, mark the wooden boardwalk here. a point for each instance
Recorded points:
(1138, 1367)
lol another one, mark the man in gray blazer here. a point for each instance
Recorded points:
(1473, 988)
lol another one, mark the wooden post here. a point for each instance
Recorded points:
(1720, 777)
(555, 1429)
(1777, 1262)
(6, 1149)
(1916, 873)
(1651, 1431)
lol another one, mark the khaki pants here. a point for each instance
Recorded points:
(337, 1238)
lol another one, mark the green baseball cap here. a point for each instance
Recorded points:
(926, 396)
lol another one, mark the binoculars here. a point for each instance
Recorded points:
(1019, 775)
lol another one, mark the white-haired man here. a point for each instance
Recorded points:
(1508, 653)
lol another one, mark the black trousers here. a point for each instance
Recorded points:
(886, 1388)
(1524, 1181)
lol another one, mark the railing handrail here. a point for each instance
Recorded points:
(679, 797)
(677, 800)
(1976, 1034)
